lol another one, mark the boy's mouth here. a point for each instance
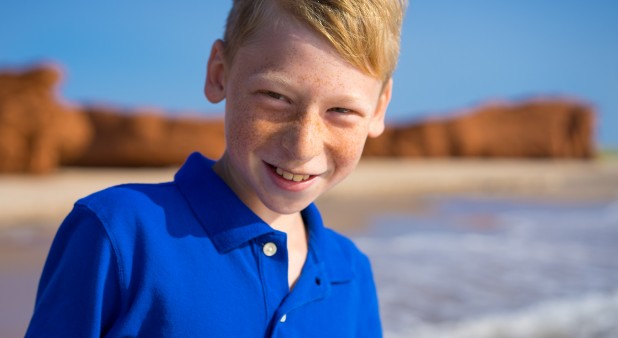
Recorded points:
(291, 176)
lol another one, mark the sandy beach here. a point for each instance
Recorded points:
(376, 184)
(31, 208)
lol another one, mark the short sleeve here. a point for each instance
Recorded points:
(79, 293)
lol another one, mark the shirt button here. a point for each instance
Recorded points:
(269, 249)
(283, 318)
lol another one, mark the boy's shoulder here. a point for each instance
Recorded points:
(127, 196)
(128, 202)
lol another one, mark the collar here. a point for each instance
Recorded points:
(329, 249)
(230, 223)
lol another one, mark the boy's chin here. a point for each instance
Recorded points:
(286, 207)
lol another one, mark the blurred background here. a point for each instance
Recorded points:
(462, 246)
(454, 54)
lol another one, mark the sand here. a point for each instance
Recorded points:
(31, 208)
(376, 185)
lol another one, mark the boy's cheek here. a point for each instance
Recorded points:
(348, 146)
(250, 131)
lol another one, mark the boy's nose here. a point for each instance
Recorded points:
(303, 138)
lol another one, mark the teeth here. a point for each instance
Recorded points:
(290, 176)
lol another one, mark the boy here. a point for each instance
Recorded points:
(235, 248)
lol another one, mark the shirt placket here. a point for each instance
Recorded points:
(273, 260)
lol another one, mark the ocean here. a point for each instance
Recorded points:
(501, 268)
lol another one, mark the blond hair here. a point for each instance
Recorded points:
(366, 33)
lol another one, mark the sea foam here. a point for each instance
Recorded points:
(497, 268)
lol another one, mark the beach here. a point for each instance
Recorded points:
(377, 184)
(378, 194)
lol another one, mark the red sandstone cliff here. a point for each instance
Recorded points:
(146, 138)
(38, 133)
(532, 129)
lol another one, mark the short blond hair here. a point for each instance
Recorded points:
(366, 33)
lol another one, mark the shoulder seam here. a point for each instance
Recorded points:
(116, 253)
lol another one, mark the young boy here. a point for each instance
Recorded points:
(235, 248)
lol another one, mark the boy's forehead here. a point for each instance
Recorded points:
(287, 43)
(287, 59)
(289, 36)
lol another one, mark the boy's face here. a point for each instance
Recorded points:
(297, 116)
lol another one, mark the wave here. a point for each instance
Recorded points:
(591, 316)
(488, 268)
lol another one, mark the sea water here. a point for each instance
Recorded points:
(480, 267)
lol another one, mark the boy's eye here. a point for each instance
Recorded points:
(275, 96)
(340, 110)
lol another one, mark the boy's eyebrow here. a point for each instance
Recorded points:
(284, 81)
(272, 76)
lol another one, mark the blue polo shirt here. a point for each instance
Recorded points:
(188, 259)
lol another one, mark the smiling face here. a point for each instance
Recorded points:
(297, 116)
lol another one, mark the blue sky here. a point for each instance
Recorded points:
(455, 54)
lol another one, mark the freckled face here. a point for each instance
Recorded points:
(297, 117)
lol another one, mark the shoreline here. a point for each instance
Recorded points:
(377, 184)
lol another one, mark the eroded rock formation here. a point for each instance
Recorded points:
(37, 133)
(531, 129)
(147, 138)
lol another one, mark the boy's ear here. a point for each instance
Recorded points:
(214, 88)
(376, 125)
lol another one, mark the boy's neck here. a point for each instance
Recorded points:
(286, 223)
(297, 243)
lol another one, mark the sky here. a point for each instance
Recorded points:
(455, 54)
